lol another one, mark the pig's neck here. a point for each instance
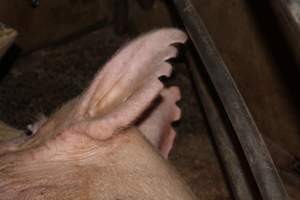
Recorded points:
(133, 170)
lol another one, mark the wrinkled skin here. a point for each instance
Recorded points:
(109, 143)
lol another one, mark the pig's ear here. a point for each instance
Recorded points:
(156, 126)
(129, 82)
(132, 72)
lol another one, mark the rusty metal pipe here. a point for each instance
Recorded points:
(235, 173)
(249, 137)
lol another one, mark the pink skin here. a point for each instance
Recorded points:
(102, 128)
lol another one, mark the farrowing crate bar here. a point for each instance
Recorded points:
(258, 158)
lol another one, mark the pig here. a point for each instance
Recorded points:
(109, 143)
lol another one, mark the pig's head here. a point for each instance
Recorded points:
(118, 96)
(87, 129)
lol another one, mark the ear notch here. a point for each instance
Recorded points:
(157, 124)
(133, 70)
(128, 83)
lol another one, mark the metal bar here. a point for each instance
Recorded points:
(239, 184)
(255, 150)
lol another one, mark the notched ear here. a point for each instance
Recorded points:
(157, 123)
(129, 81)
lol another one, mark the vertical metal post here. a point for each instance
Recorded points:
(236, 174)
(250, 139)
